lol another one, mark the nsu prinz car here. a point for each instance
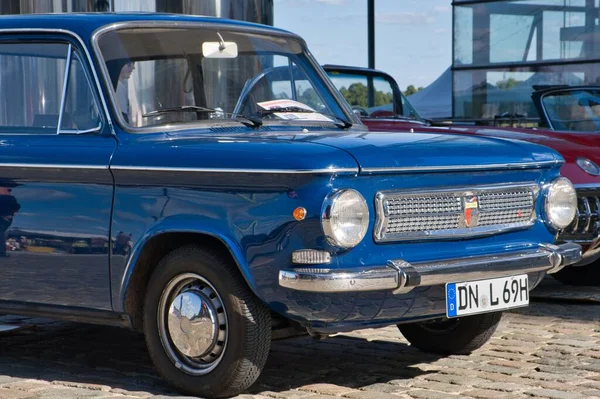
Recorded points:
(156, 176)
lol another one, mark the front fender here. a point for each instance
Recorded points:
(180, 224)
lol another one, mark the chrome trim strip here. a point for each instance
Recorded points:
(576, 221)
(588, 213)
(51, 166)
(401, 276)
(586, 187)
(87, 54)
(64, 89)
(382, 217)
(85, 131)
(232, 170)
(451, 168)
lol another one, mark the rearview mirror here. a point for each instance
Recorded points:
(219, 49)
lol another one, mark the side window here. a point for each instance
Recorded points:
(81, 112)
(31, 78)
(32, 81)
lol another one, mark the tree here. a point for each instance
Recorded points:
(411, 90)
(357, 94)
(508, 83)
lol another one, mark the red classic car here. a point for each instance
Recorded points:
(569, 123)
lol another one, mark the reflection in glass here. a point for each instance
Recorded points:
(373, 96)
(31, 79)
(525, 31)
(485, 94)
(573, 110)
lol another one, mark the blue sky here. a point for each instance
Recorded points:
(413, 38)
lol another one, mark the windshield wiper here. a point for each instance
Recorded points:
(249, 121)
(183, 108)
(340, 122)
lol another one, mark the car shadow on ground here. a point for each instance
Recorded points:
(77, 355)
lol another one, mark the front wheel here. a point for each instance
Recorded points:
(458, 336)
(206, 332)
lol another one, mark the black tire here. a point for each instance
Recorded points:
(580, 276)
(458, 336)
(248, 325)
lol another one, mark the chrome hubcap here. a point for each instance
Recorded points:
(192, 324)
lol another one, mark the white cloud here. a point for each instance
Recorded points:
(332, 2)
(442, 9)
(405, 18)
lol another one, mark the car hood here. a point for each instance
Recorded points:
(569, 145)
(385, 151)
(365, 152)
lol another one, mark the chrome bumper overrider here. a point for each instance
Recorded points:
(401, 276)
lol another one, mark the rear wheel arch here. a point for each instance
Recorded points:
(149, 255)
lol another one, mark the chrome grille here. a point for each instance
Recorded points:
(454, 213)
(584, 228)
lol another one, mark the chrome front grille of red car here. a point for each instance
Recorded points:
(453, 213)
(586, 224)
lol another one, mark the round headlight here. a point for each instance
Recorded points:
(561, 203)
(345, 218)
(588, 166)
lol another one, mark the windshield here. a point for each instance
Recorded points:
(573, 110)
(173, 76)
(373, 96)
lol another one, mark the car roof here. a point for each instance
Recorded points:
(84, 24)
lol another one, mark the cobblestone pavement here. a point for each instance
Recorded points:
(548, 350)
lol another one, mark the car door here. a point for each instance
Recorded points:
(55, 186)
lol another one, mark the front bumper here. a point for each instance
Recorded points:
(401, 276)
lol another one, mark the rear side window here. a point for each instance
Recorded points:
(34, 94)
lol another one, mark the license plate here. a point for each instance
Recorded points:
(484, 296)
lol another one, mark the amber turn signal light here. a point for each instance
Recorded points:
(299, 213)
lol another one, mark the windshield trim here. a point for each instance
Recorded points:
(98, 33)
(558, 90)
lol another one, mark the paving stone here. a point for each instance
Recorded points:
(499, 386)
(386, 388)
(426, 394)
(14, 394)
(485, 394)
(438, 386)
(553, 394)
(287, 394)
(327, 389)
(370, 395)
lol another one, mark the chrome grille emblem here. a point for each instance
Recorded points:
(471, 210)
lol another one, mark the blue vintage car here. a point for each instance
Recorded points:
(202, 181)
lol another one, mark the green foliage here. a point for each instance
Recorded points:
(310, 97)
(411, 90)
(508, 83)
(357, 94)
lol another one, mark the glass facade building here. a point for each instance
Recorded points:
(502, 49)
